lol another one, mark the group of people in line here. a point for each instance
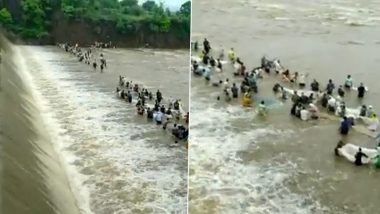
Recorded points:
(304, 105)
(159, 113)
(85, 55)
(127, 90)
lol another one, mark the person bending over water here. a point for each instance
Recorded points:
(358, 157)
(140, 110)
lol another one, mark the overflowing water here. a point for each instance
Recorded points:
(114, 160)
(240, 162)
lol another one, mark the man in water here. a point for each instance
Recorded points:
(206, 74)
(163, 109)
(314, 86)
(234, 91)
(226, 84)
(94, 65)
(370, 111)
(344, 126)
(313, 110)
(330, 87)
(219, 65)
(231, 55)
(276, 88)
(159, 96)
(301, 80)
(341, 91)
(358, 157)
(363, 111)
(206, 46)
(149, 114)
(262, 108)
(129, 96)
(361, 91)
(227, 96)
(331, 104)
(348, 82)
(158, 118)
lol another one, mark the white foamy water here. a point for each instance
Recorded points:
(224, 175)
(116, 162)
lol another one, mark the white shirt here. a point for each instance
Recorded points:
(301, 79)
(331, 102)
(226, 85)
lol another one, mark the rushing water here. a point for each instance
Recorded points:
(241, 163)
(113, 160)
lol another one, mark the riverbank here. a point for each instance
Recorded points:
(125, 24)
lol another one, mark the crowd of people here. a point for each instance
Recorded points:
(161, 114)
(305, 102)
(248, 85)
(85, 55)
(166, 115)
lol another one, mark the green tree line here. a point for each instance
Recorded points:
(126, 16)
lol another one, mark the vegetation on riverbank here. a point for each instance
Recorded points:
(36, 19)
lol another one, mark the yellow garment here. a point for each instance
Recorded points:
(231, 55)
(374, 118)
(246, 100)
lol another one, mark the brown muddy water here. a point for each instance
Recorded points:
(69, 145)
(241, 163)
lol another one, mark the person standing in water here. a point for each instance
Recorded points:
(262, 108)
(361, 91)
(206, 46)
(234, 91)
(158, 96)
(358, 157)
(341, 91)
(231, 55)
(344, 126)
(348, 82)
(330, 87)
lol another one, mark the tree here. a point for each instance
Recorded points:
(5, 17)
(185, 9)
(33, 20)
(150, 6)
(129, 3)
